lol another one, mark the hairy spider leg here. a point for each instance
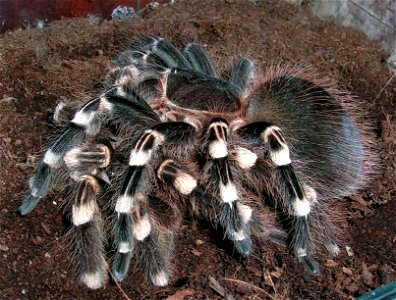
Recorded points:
(199, 59)
(230, 215)
(243, 73)
(154, 51)
(51, 163)
(88, 233)
(297, 205)
(133, 222)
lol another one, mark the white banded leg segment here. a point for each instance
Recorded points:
(141, 154)
(93, 280)
(160, 279)
(227, 211)
(245, 212)
(52, 160)
(85, 206)
(88, 117)
(87, 157)
(142, 224)
(245, 158)
(297, 204)
(88, 234)
(124, 224)
(299, 207)
(223, 176)
(170, 173)
(217, 139)
(278, 150)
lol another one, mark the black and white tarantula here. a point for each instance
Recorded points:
(169, 135)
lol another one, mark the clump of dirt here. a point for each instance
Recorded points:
(68, 60)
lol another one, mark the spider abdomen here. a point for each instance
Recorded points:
(323, 132)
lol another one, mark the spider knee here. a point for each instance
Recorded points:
(85, 205)
(278, 150)
(171, 173)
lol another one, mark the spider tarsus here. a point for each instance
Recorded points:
(243, 73)
(28, 204)
(244, 247)
(199, 59)
(121, 265)
(160, 278)
(311, 265)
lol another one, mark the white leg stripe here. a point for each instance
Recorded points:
(52, 159)
(301, 252)
(105, 104)
(218, 149)
(301, 207)
(124, 204)
(160, 279)
(83, 118)
(142, 229)
(124, 79)
(139, 158)
(310, 194)
(239, 235)
(58, 109)
(70, 158)
(245, 212)
(228, 192)
(83, 214)
(120, 91)
(185, 183)
(124, 247)
(245, 158)
(93, 280)
(281, 157)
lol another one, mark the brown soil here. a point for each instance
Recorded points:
(69, 59)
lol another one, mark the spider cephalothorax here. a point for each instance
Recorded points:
(170, 136)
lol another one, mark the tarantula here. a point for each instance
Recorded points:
(169, 136)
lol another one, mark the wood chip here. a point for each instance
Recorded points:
(196, 252)
(181, 295)
(347, 271)
(331, 263)
(215, 285)
(46, 228)
(256, 271)
(4, 248)
(367, 276)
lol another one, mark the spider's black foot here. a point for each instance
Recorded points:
(312, 267)
(244, 247)
(121, 265)
(28, 204)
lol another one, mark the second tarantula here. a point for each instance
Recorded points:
(169, 135)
